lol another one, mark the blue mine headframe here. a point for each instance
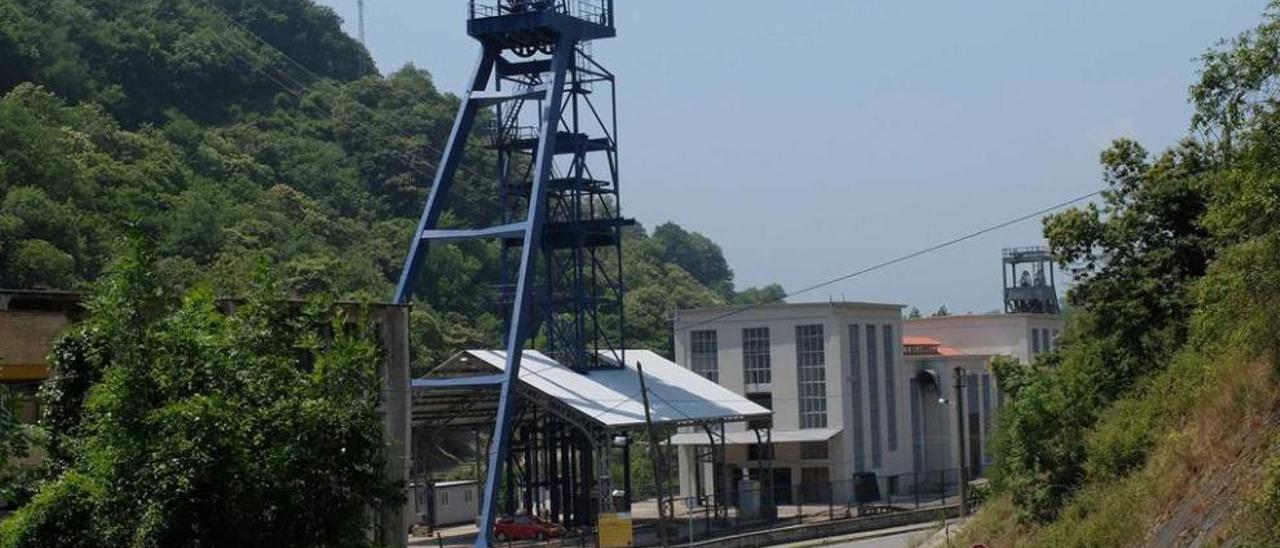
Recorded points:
(561, 228)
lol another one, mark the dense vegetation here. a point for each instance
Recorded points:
(172, 423)
(171, 118)
(233, 138)
(1178, 281)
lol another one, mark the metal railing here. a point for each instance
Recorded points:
(741, 510)
(599, 12)
(1034, 252)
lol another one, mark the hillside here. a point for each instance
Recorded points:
(240, 135)
(1157, 422)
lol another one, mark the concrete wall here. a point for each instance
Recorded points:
(26, 336)
(827, 529)
(395, 408)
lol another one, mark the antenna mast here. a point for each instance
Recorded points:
(360, 18)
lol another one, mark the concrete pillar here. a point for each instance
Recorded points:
(396, 410)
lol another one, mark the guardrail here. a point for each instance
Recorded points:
(599, 12)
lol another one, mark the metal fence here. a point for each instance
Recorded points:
(744, 508)
(751, 506)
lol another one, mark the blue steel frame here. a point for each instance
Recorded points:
(555, 28)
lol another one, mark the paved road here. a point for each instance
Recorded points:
(900, 540)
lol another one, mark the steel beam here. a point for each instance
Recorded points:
(519, 329)
(453, 154)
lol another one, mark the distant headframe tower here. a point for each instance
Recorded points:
(547, 110)
(1029, 281)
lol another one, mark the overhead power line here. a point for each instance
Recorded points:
(301, 87)
(900, 259)
(296, 87)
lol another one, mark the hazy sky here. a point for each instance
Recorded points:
(811, 138)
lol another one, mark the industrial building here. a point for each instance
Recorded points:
(812, 364)
(856, 389)
(30, 321)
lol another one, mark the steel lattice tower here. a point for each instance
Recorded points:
(555, 140)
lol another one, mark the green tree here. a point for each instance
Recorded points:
(772, 293)
(164, 117)
(696, 254)
(179, 425)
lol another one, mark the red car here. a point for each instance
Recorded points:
(526, 528)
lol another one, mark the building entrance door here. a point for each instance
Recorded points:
(815, 485)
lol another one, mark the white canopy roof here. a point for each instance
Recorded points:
(611, 397)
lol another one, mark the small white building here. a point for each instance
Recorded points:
(450, 503)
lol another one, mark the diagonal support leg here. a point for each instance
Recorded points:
(520, 318)
(453, 154)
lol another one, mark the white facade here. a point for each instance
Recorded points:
(835, 380)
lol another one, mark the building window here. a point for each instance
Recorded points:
(986, 416)
(917, 439)
(974, 427)
(814, 450)
(703, 354)
(1035, 342)
(468, 495)
(756, 365)
(1053, 338)
(856, 397)
(873, 396)
(811, 376)
(890, 387)
(444, 498)
(764, 400)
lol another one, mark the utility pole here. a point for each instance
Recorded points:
(658, 468)
(959, 375)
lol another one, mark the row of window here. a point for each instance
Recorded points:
(756, 363)
(1043, 340)
(811, 381)
(879, 366)
(811, 370)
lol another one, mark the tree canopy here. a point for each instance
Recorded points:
(1175, 277)
(173, 423)
(182, 119)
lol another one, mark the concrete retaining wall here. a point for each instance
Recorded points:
(809, 531)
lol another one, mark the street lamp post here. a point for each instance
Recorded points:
(959, 375)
